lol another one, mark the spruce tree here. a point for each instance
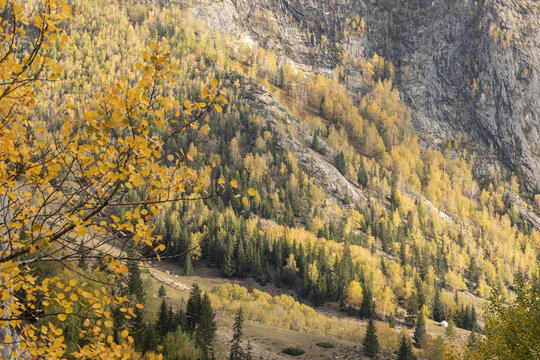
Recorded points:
(370, 345)
(451, 329)
(181, 317)
(315, 142)
(135, 285)
(206, 330)
(162, 321)
(405, 349)
(149, 340)
(188, 265)
(162, 292)
(412, 311)
(229, 268)
(473, 273)
(367, 307)
(437, 308)
(419, 330)
(193, 308)
(474, 319)
(340, 163)
(172, 320)
(362, 175)
(236, 349)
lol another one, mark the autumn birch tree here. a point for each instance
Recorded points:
(61, 188)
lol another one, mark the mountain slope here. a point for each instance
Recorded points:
(460, 66)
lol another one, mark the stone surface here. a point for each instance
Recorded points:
(461, 65)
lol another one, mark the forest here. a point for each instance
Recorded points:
(132, 134)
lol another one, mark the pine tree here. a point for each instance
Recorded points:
(340, 162)
(437, 308)
(419, 330)
(162, 292)
(193, 308)
(412, 310)
(367, 307)
(362, 175)
(315, 142)
(242, 260)
(206, 330)
(370, 345)
(180, 316)
(236, 349)
(473, 273)
(135, 285)
(405, 349)
(162, 321)
(229, 268)
(188, 266)
(149, 340)
(474, 319)
(451, 329)
(173, 320)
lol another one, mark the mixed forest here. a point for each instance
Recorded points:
(144, 136)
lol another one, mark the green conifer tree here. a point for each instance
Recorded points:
(367, 307)
(149, 340)
(451, 329)
(162, 292)
(405, 350)
(362, 175)
(162, 321)
(419, 330)
(134, 282)
(437, 307)
(370, 345)
(193, 308)
(188, 265)
(238, 334)
(229, 267)
(206, 330)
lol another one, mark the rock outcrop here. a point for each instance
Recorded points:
(461, 66)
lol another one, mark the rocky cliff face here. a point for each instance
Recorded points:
(461, 65)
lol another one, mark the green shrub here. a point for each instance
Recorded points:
(325, 345)
(294, 351)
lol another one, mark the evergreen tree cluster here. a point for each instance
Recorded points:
(196, 320)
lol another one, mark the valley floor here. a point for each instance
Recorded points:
(267, 341)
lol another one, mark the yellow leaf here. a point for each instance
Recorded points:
(218, 108)
(245, 200)
(62, 317)
(86, 322)
(124, 333)
(214, 83)
(234, 183)
(108, 323)
(170, 157)
(140, 306)
(251, 192)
